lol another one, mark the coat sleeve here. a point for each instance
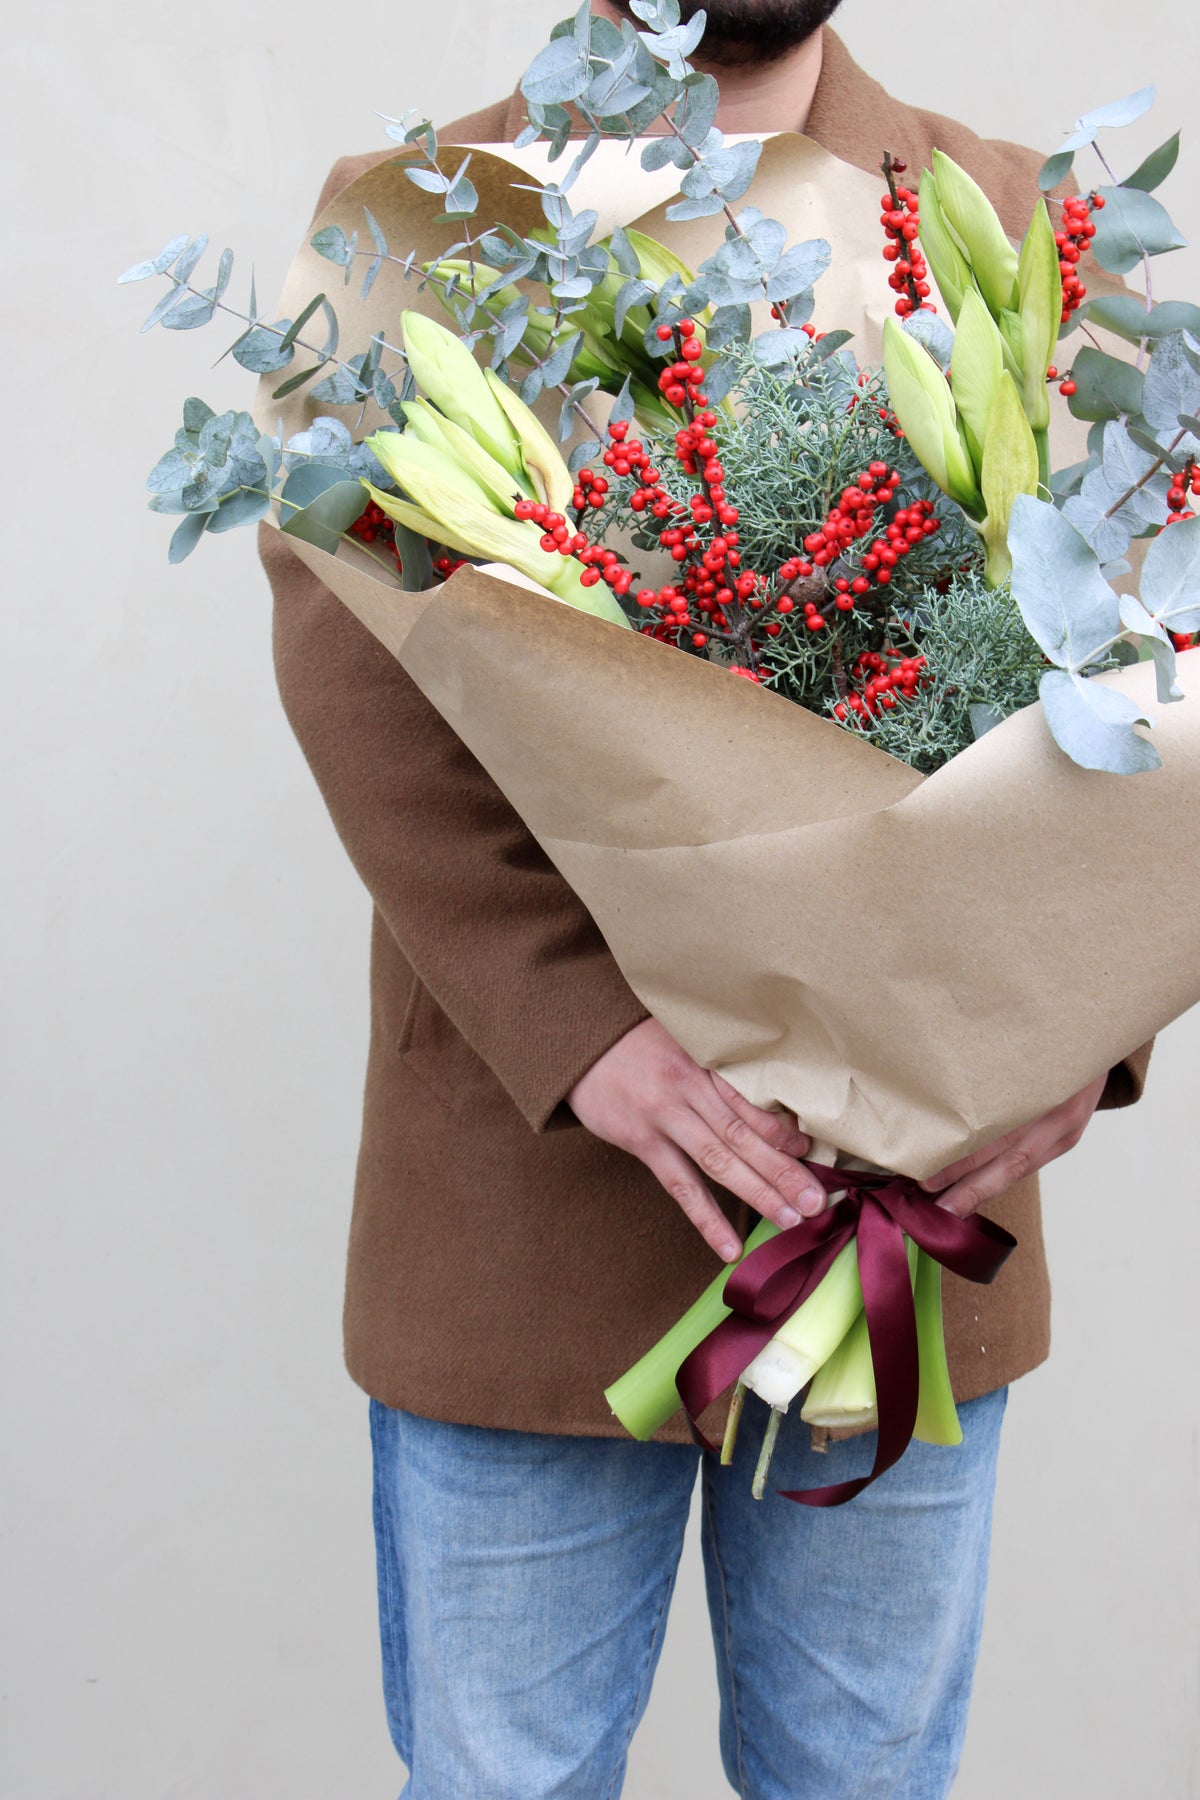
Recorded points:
(490, 927)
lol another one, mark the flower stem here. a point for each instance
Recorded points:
(759, 1485)
(736, 1405)
(645, 1397)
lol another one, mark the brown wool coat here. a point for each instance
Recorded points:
(504, 1265)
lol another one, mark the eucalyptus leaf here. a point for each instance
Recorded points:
(1055, 170)
(1116, 114)
(242, 508)
(329, 504)
(192, 312)
(1135, 618)
(1131, 225)
(332, 243)
(1158, 165)
(187, 535)
(728, 325)
(300, 321)
(1170, 585)
(1172, 385)
(682, 210)
(1067, 605)
(189, 257)
(1095, 725)
(432, 181)
(416, 564)
(798, 269)
(1126, 316)
(558, 73)
(1106, 387)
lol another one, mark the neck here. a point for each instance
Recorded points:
(759, 97)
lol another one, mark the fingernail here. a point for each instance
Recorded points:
(788, 1215)
(812, 1202)
(731, 1252)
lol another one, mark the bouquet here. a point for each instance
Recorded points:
(818, 645)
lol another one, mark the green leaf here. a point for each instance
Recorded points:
(1157, 166)
(1132, 225)
(295, 381)
(1106, 387)
(1126, 317)
(1055, 169)
(297, 325)
(416, 564)
(1009, 468)
(329, 504)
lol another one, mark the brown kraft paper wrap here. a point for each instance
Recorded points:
(912, 965)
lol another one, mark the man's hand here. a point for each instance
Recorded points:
(647, 1096)
(967, 1185)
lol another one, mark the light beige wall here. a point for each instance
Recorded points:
(189, 1583)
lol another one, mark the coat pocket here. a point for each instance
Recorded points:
(433, 1051)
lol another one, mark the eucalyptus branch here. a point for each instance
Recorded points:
(273, 330)
(1148, 476)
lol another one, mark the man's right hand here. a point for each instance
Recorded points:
(648, 1096)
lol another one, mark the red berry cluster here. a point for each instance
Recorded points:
(682, 379)
(853, 518)
(557, 535)
(901, 222)
(1187, 480)
(882, 679)
(373, 523)
(446, 565)
(713, 596)
(1074, 240)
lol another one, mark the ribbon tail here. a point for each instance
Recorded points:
(895, 1358)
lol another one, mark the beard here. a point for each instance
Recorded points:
(743, 32)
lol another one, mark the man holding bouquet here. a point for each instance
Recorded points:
(544, 1177)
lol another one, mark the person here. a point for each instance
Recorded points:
(543, 1179)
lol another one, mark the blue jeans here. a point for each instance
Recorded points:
(524, 1582)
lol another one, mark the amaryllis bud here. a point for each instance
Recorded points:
(973, 220)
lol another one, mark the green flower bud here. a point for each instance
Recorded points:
(1010, 467)
(972, 218)
(433, 428)
(921, 400)
(447, 372)
(942, 253)
(444, 502)
(551, 478)
(975, 370)
(1039, 284)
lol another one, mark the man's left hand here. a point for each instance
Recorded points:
(963, 1187)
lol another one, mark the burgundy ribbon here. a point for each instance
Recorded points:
(778, 1277)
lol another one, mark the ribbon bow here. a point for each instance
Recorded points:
(777, 1278)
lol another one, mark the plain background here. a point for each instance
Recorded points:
(189, 1607)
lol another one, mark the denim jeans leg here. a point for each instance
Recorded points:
(846, 1639)
(524, 1585)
